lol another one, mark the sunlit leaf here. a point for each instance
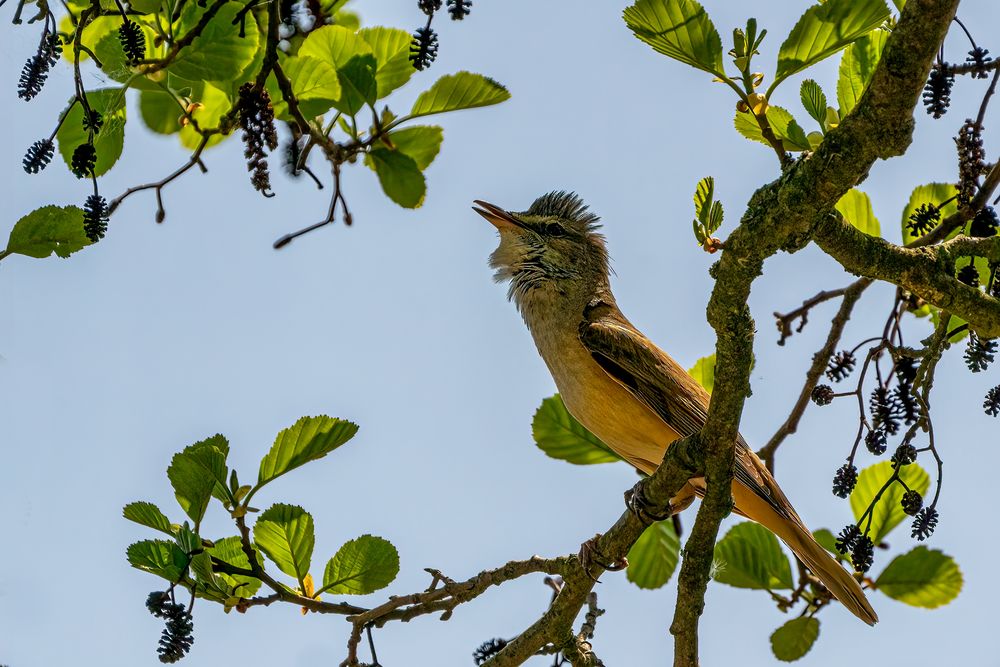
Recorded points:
(48, 230)
(922, 578)
(931, 193)
(782, 124)
(391, 47)
(749, 556)
(160, 557)
(149, 515)
(363, 565)
(814, 101)
(561, 436)
(219, 53)
(679, 29)
(420, 142)
(286, 535)
(856, 68)
(704, 372)
(400, 177)
(109, 142)
(823, 30)
(857, 210)
(462, 90)
(230, 550)
(308, 439)
(888, 513)
(653, 557)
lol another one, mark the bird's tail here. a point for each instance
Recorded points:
(820, 562)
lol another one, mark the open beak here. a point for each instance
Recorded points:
(497, 217)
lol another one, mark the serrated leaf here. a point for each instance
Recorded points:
(679, 29)
(400, 177)
(230, 550)
(363, 565)
(308, 439)
(420, 142)
(823, 30)
(922, 578)
(335, 45)
(48, 230)
(110, 103)
(856, 68)
(114, 63)
(561, 436)
(931, 193)
(888, 513)
(315, 84)
(857, 210)
(653, 557)
(286, 535)
(749, 556)
(779, 119)
(704, 372)
(149, 515)
(357, 84)
(794, 639)
(219, 53)
(462, 90)
(160, 557)
(814, 101)
(195, 474)
(391, 47)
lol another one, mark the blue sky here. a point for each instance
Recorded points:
(161, 335)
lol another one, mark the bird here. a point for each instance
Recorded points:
(619, 384)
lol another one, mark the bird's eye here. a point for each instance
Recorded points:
(554, 229)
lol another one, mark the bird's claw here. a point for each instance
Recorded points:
(589, 555)
(645, 511)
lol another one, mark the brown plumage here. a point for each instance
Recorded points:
(617, 382)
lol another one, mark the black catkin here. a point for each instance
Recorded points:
(133, 41)
(38, 156)
(95, 217)
(979, 353)
(840, 365)
(937, 92)
(971, 160)
(83, 161)
(863, 554)
(423, 48)
(459, 9)
(911, 502)
(991, 404)
(923, 219)
(259, 134)
(488, 649)
(985, 223)
(924, 523)
(845, 480)
(979, 58)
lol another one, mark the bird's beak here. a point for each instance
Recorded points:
(497, 217)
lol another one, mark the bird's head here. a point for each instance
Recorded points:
(553, 248)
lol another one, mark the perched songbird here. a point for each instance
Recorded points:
(616, 382)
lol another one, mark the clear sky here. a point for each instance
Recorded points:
(161, 335)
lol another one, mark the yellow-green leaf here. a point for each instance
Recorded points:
(749, 556)
(857, 210)
(334, 45)
(561, 436)
(823, 30)
(782, 123)
(219, 53)
(400, 177)
(362, 566)
(704, 372)
(922, 578)
(794, 639)
(306, 440)
(47, 230)
(856, 68)
(391, 47)
(149, 515)
(888, 513)
(286, 535)
(679, 29)
(462, 90)
(653, 558)
(931, 193)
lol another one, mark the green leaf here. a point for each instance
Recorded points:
(857, 210)
(561, 436)
(679, 29)
(159, 112)
(218, 53)
(462, 90)
(420, 142)
(922, 578)
(113, 61)
(931, 193)
(308, 439)
(794, 639)
(823, 30)
(856, 68)
(653, 557)
(230, 550)
(782, 124)
(47, 230)
(195, 474)
(708, 212)
(357, 83)
(209, 584)
(145, 6)
(704, 372)
(315, 84)
(363, 565)
(335, 45)
(391, 47)
(285, 534)
(401, 178)
(149, 515)
(888, 512)
(749, 556)
(814, 101)
(110, 103)
(160, 557)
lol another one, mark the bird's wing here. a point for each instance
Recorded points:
(663, 386)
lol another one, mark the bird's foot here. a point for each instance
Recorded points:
(645, 511)
(590, 555)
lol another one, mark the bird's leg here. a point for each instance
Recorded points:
(645, 511)
(589, 555)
